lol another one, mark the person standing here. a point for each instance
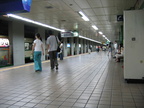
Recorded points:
(115, 48)
(61, 51)
(52, 45)
(97, 48)
(110, 48)
(37, 50)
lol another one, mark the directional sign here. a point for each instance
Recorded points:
(119, 17)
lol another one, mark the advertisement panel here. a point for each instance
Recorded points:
(4, 42)
(14, 6)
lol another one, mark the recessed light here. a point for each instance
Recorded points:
(71, 4)
(49, 7)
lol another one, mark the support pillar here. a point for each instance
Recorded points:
(77, 46)
(72, 46)
(16, 34)
(65, 47)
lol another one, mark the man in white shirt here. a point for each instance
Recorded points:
(52, 42)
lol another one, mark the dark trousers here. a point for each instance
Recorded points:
(53, 58)
(61, 56)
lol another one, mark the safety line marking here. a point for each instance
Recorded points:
(25, 65)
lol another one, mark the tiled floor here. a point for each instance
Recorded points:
(86, 81)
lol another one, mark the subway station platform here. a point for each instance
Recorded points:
(85, 81)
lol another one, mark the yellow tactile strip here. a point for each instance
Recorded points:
(25, 65)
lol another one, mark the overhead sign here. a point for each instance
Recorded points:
(119, 17)
(26, 4)
(66, 34)
(69, 34)
(14, 6)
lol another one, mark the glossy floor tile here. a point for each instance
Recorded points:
(86, 81)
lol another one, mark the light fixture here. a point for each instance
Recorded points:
(94, 27)
(84, 17)
(34, 22)
(100, 32)
(104, 36)
(88, 39)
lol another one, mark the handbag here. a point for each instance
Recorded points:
(58, 48)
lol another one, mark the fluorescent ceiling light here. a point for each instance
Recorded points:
(100, 32)
(104, 36)
(89, 39)
(94, 27)
(84, 17)
(34, 22)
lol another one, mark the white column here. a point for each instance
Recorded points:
(72, 46)
(77, 46)
(93, 46)
(16, 34)
(65, 47)
(82, 46)
(86, 45)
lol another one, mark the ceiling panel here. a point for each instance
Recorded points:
(107, 3)
(104, 22)
(95, 3)
(104, 17)
(72, 4)
(82, 4)
(110, 10)
(129, 4)
(97, 23)
(112, 18)
(93, 18)
(61, 6)
(89, 12)
(99, 11)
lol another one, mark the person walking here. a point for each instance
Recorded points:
(110, 48)
(52, 45)
(37, 51)
(115, 45)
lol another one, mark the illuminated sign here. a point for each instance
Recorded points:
(66, 34)
(14, 6)
(69, 34)
(76, 33)
(4, 42)
(68, 45)
(26, 4)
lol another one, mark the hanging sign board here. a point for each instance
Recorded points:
(14, 6)
(70, 34)
(66, 34)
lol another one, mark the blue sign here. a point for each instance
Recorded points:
(27, 4)
(15, 6)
